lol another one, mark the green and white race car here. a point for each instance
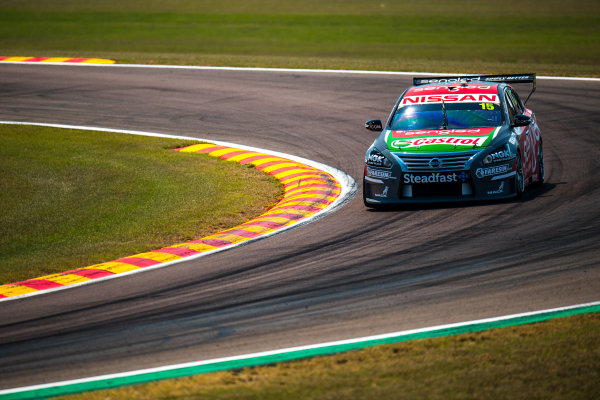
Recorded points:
(455, 138)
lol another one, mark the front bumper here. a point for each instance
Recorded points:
(386, 187)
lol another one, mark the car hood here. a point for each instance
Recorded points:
(439, 140)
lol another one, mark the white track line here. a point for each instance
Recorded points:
(326, 345)
(294, 70)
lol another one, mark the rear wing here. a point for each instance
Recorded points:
(520, 78)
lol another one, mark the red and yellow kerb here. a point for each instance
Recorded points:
(57, 60)
(307, 191)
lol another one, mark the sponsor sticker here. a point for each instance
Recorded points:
(491, 171)
(450, 98)
(501, 155)
(376, 173)
(384, 193)
(377, 159)
(438, 132)
(450, 177)
(500, 189)
(472, 141)
(462, 89)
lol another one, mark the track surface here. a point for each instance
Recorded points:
(353, 273)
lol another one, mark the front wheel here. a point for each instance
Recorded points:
(519, 177)
(541, 167)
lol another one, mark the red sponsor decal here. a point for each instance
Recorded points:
(445, 89)
(475, 141)
(451, 140)
(450, 98)
(460, 132)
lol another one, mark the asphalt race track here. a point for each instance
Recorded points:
(354, 273)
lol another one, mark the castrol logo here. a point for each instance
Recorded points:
(449, 140)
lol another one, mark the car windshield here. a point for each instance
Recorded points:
(459, 115)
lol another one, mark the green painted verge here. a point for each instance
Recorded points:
(182, 370)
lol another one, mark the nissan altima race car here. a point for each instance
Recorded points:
(455, 138)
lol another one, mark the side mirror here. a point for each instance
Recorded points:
(374, 125)
(522, 120)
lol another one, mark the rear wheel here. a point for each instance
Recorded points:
(519, 177)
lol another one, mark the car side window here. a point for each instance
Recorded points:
(510, 106)
(516, 101)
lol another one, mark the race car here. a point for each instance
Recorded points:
(455, 138)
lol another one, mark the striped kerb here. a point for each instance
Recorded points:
(57, 60)
(307, 191)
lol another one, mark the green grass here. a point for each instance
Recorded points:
(427, 35)
(71, 199)
(556, 359)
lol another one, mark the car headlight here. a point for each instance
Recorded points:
(502, 153)
(374, 158)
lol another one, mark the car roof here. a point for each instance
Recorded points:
(479, 87)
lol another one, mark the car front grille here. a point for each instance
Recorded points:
(436, 161)
(436, 190)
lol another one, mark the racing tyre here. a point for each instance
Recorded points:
(519, 177)
(541, 168)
